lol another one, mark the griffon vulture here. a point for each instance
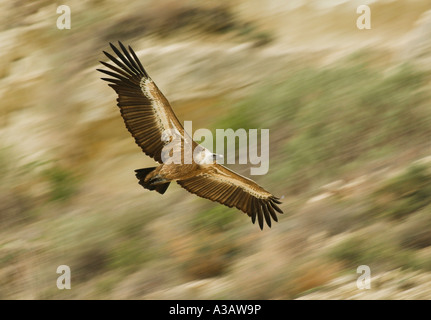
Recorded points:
(148, 114)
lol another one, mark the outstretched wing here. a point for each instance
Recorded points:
(218, 183)
(144, 108)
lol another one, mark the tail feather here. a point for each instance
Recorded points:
(141, 174)
(161, 188)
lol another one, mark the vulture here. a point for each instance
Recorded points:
(148, 115)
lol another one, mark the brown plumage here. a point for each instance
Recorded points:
(148, 114)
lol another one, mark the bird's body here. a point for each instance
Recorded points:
(175, 172)
(151, 121)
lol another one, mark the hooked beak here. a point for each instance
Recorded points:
(218, 157)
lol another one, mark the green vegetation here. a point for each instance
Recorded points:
(404, 194)
(326, 122)
(63, 183)
(337, 118)
(415, 232)
(183, 18)
(218, 218)
(377, 251)
(401, 208)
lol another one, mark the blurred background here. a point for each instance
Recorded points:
(349, 113)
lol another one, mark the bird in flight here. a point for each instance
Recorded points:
(148, 117)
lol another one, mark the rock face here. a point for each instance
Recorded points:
(418, 42)
(37, 57)
(395, 285)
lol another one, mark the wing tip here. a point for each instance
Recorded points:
(263, 211)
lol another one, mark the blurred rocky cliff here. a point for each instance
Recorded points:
(67, 189)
